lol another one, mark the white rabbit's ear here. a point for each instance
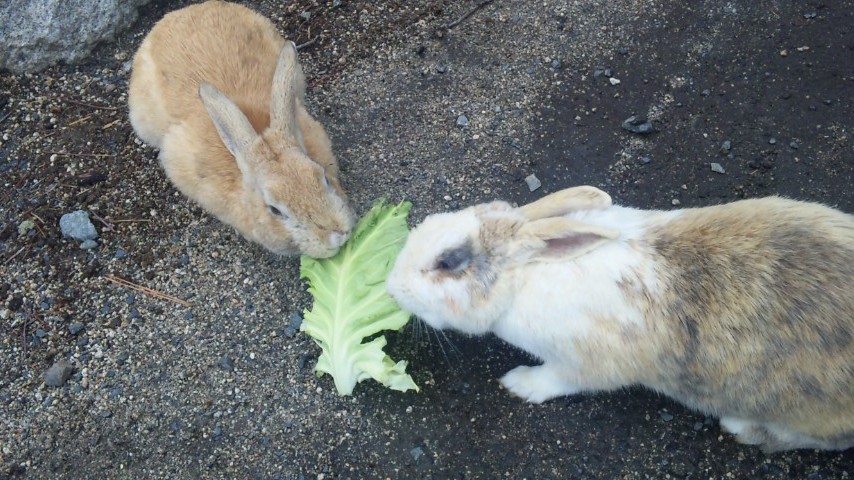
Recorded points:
(558, 237)
(287, 84)
(565, 201)
(232, 125)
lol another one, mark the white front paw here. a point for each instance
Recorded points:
(537, 384)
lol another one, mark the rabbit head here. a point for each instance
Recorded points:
(457, 269)
(293, 203)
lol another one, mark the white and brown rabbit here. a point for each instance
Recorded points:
(205, 81)
(744, 311)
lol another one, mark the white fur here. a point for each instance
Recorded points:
(575, 294)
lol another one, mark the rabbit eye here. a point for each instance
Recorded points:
(454, 260)
(275, 211)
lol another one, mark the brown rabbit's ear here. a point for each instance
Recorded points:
(567, 200)
(559, 237)
(234, 128)
(288, 83)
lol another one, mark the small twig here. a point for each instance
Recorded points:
(132, 220)
(24, 336)
(98, 107)
(308, 43)
(35, 224)
(79, 120)
(5, 117)
(114, 122)
(107, 225)
(67, 154)
(146, 290)
(15, 255)
(466, 15)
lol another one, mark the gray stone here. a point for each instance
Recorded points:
(58, 373)
(89, 245)
(533, 182)
(76, 328)
(416, 453)
(463, 121)
(638, 124)
(726, 147)
(294, 324)
(717, 168)
(78, 226)
(45, 32)
(226, 363)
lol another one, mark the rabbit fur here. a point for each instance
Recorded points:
(744, 310)
(205, 81)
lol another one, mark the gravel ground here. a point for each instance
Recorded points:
(746, 98)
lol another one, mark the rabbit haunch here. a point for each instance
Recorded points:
(205, 81)
(743, 310)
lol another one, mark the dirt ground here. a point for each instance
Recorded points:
(222, 388)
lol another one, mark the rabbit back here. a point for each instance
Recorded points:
(757, 296)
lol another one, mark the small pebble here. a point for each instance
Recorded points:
(462, 121)
(675, 202)
(666, 416)
(698, 426)
(614, 81)
(772, 141)
(121, 253)
(717, 168)
(25, 227)
(638, 124)
(533, 182)
(76, 328)
(58, 373)
(726, 147)
(89, 245)
(417, 453)
(78, 226)
(122, 358)
(556, 64)
(226, 363)
(644, 160)
(294, 324)
(794, 145)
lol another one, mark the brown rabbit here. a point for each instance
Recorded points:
(744, 311)
(205, 81)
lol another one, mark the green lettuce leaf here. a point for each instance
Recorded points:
(351, 303)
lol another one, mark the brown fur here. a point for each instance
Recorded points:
(758, 313)
(235, 50)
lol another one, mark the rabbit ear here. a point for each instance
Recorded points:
(234, 128)
(558, 237)
(565, 201)
(287, 84)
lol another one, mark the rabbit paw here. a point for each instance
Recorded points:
(537, 384)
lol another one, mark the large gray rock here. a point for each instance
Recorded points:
(35, 34)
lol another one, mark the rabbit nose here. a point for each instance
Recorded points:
(338, 238)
